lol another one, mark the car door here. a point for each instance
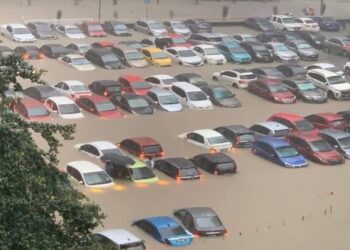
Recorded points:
(300, 145)
(75, 174)
(292, 87)
(196, 139)
(174, 55)
(228, 77)
(180, 94)
(318, 79)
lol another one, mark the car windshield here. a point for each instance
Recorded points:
(84, 48)
(152, 149)
(321, 146)
(168, 99)
(185, 172)
(73, 31)
(160, 55)
(337, 123)
(248, 76)
(133, 55)
(246, 137)
(37, 111)
(212, 51)
(304, 125)
(286, 151)
(173, 231)
(80, 88)
(97, 178)
(208, 222)
(21, 31)
(303, 46)
(95, 27)
(120, 27)
(80, 61)
(133, 246)
(305, 86)
(277, 88)
(186, 53)
(105, 106)
(179, 40)
(141, 173)
(138, 103)
(222, 94)
(169, 81)
(289, 20)
(114, 151)
(217, 140)
(179, 26)
(333, 80)
(237, 50)
(259, 48)
(114, 89)
(225, 166)
(344, 142)
(281, 47)
(196, 96)
(109, 58)
(140, 85)
(156, 26)
(68, 109)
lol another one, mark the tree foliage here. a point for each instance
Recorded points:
(39, 209)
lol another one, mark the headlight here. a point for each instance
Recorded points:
(317, 42)
(258, 56)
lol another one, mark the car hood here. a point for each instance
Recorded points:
(216, 57)
(143, 111)
(163, 62)
(172, 107)
(293, 25)
(192, 59)
(230, 102)
(113, 65)
(286, 54)
(295, 161)
(284, 95)
(76, 36)
(314, 93)
(241, 55)
(342, 86)
(138, 63)
(330, 155)
(308, 51)
(111, 114)
(24, 37)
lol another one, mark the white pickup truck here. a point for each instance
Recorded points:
(17, 33)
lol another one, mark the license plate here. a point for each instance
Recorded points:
(224, 150)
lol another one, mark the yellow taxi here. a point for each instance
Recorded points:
(156, 56)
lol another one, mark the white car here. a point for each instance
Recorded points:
(327, 66)
(17, 33)
(239, 78)
(73, 88)
(245, 38)
(209, 139)
(120, 239)
(88, 174)
(150, 27)
(163, 81)
(336, 86)
(76, 61)
(210, 54)
(177, 27)
(164, 99)
(191, 96)
(70, 31)
(98, 149)
(287, 23)
(308, 24)
(184, 56)
(63, 107)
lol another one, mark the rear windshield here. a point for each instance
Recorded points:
(286, 151)
(304, 125)
(105, 106)
(197, 96)
(217, 140)
(152, 149)
(246, 137)
(185, 172)
(224, 167)
(69, 109)
(321, 146)
(281, 132)
(168, 232)
(208, 222)
(141, 173)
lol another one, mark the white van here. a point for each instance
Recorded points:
(282, 22)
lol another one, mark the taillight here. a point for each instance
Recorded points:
(212, 150)
(41, 56)
(142, 155)
(25, 56)
(162, 153)
(241, 82)
(105, 93)
(178, 178)
(225, 232)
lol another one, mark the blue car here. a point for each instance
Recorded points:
(278, 151)
(327, 23)
(234, 52)
(166, 230)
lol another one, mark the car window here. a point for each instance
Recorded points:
(179, 91)
(152, 96)
(74, 173)
(260, 129)
(89, 149)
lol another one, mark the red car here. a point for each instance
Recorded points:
(272, 90)
(134, 84)
(327, 120)
(296, 123)
(142, 147)
(31, 109)
(102, 44)
(316, 149)
(99, 105)
(172, 40)
(93, 29)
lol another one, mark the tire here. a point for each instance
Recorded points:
(331, 95)
(205, 61)
(234, 85)
(214, 78)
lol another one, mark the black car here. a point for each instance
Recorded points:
(41, 92)
(5, 51)
(135, 104)
(198, 25)
(201, 221)
(54, 50)
(178, 168)
(106, 88)
(104, 58)
(315, 39)
(218, 163)
(116, 28)
(133, 44)
(240, 136)
(292, 70)
(41, 30)
(192, 78)
(259, 23)
(345, 114)
(269, 73)
(221, 96)
(28, 52)
(306, 90)
(258, 51)
(273, 36)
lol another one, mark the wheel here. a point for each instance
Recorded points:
(234, 85)
(180, 63)
(214, 78)
(205, 61)
(331, 95)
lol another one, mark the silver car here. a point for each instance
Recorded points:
(281, 52)
(164, 99)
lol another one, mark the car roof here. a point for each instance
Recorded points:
(180, 162)
(107, 82)
(152, 49)
(209, 34)
(178, 48)
(119, 236)
(161, 221)
(323, 65)
(237, 129)
(324, 72)
(289, 116)
(336, 133)
(207, 132)
(161, 76)
(95, 98)
(273, 141)
(329, 116)
(186, 86)
(85, 166)
(144, 141)
(132, 78)
(74, 56)
(101, 51)
(201, 211)
(272, 125)
(216, 158)
(16, 25)
(126, 48)
(102, 145)
(241, 71)
(173, 35)
(60, 100)
(204, 46)
(73, 82)
(42, 88)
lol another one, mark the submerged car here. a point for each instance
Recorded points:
(218, 163)
(120, 239)
(135, 104)
(164, 99)
(306, 90)
(240, 136)
(338, 139)
(178, 168)
(221, 96)
(234, 52)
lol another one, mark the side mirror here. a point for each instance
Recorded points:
(81, 182)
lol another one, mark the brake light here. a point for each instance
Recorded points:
(25, 56)
(142, 155)
(178, 178)
(233, 149)
(241, 81)
(195, 235)
(41, 56)
(225, 232)
(212, 150)
(162, 153)
(105, 93)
